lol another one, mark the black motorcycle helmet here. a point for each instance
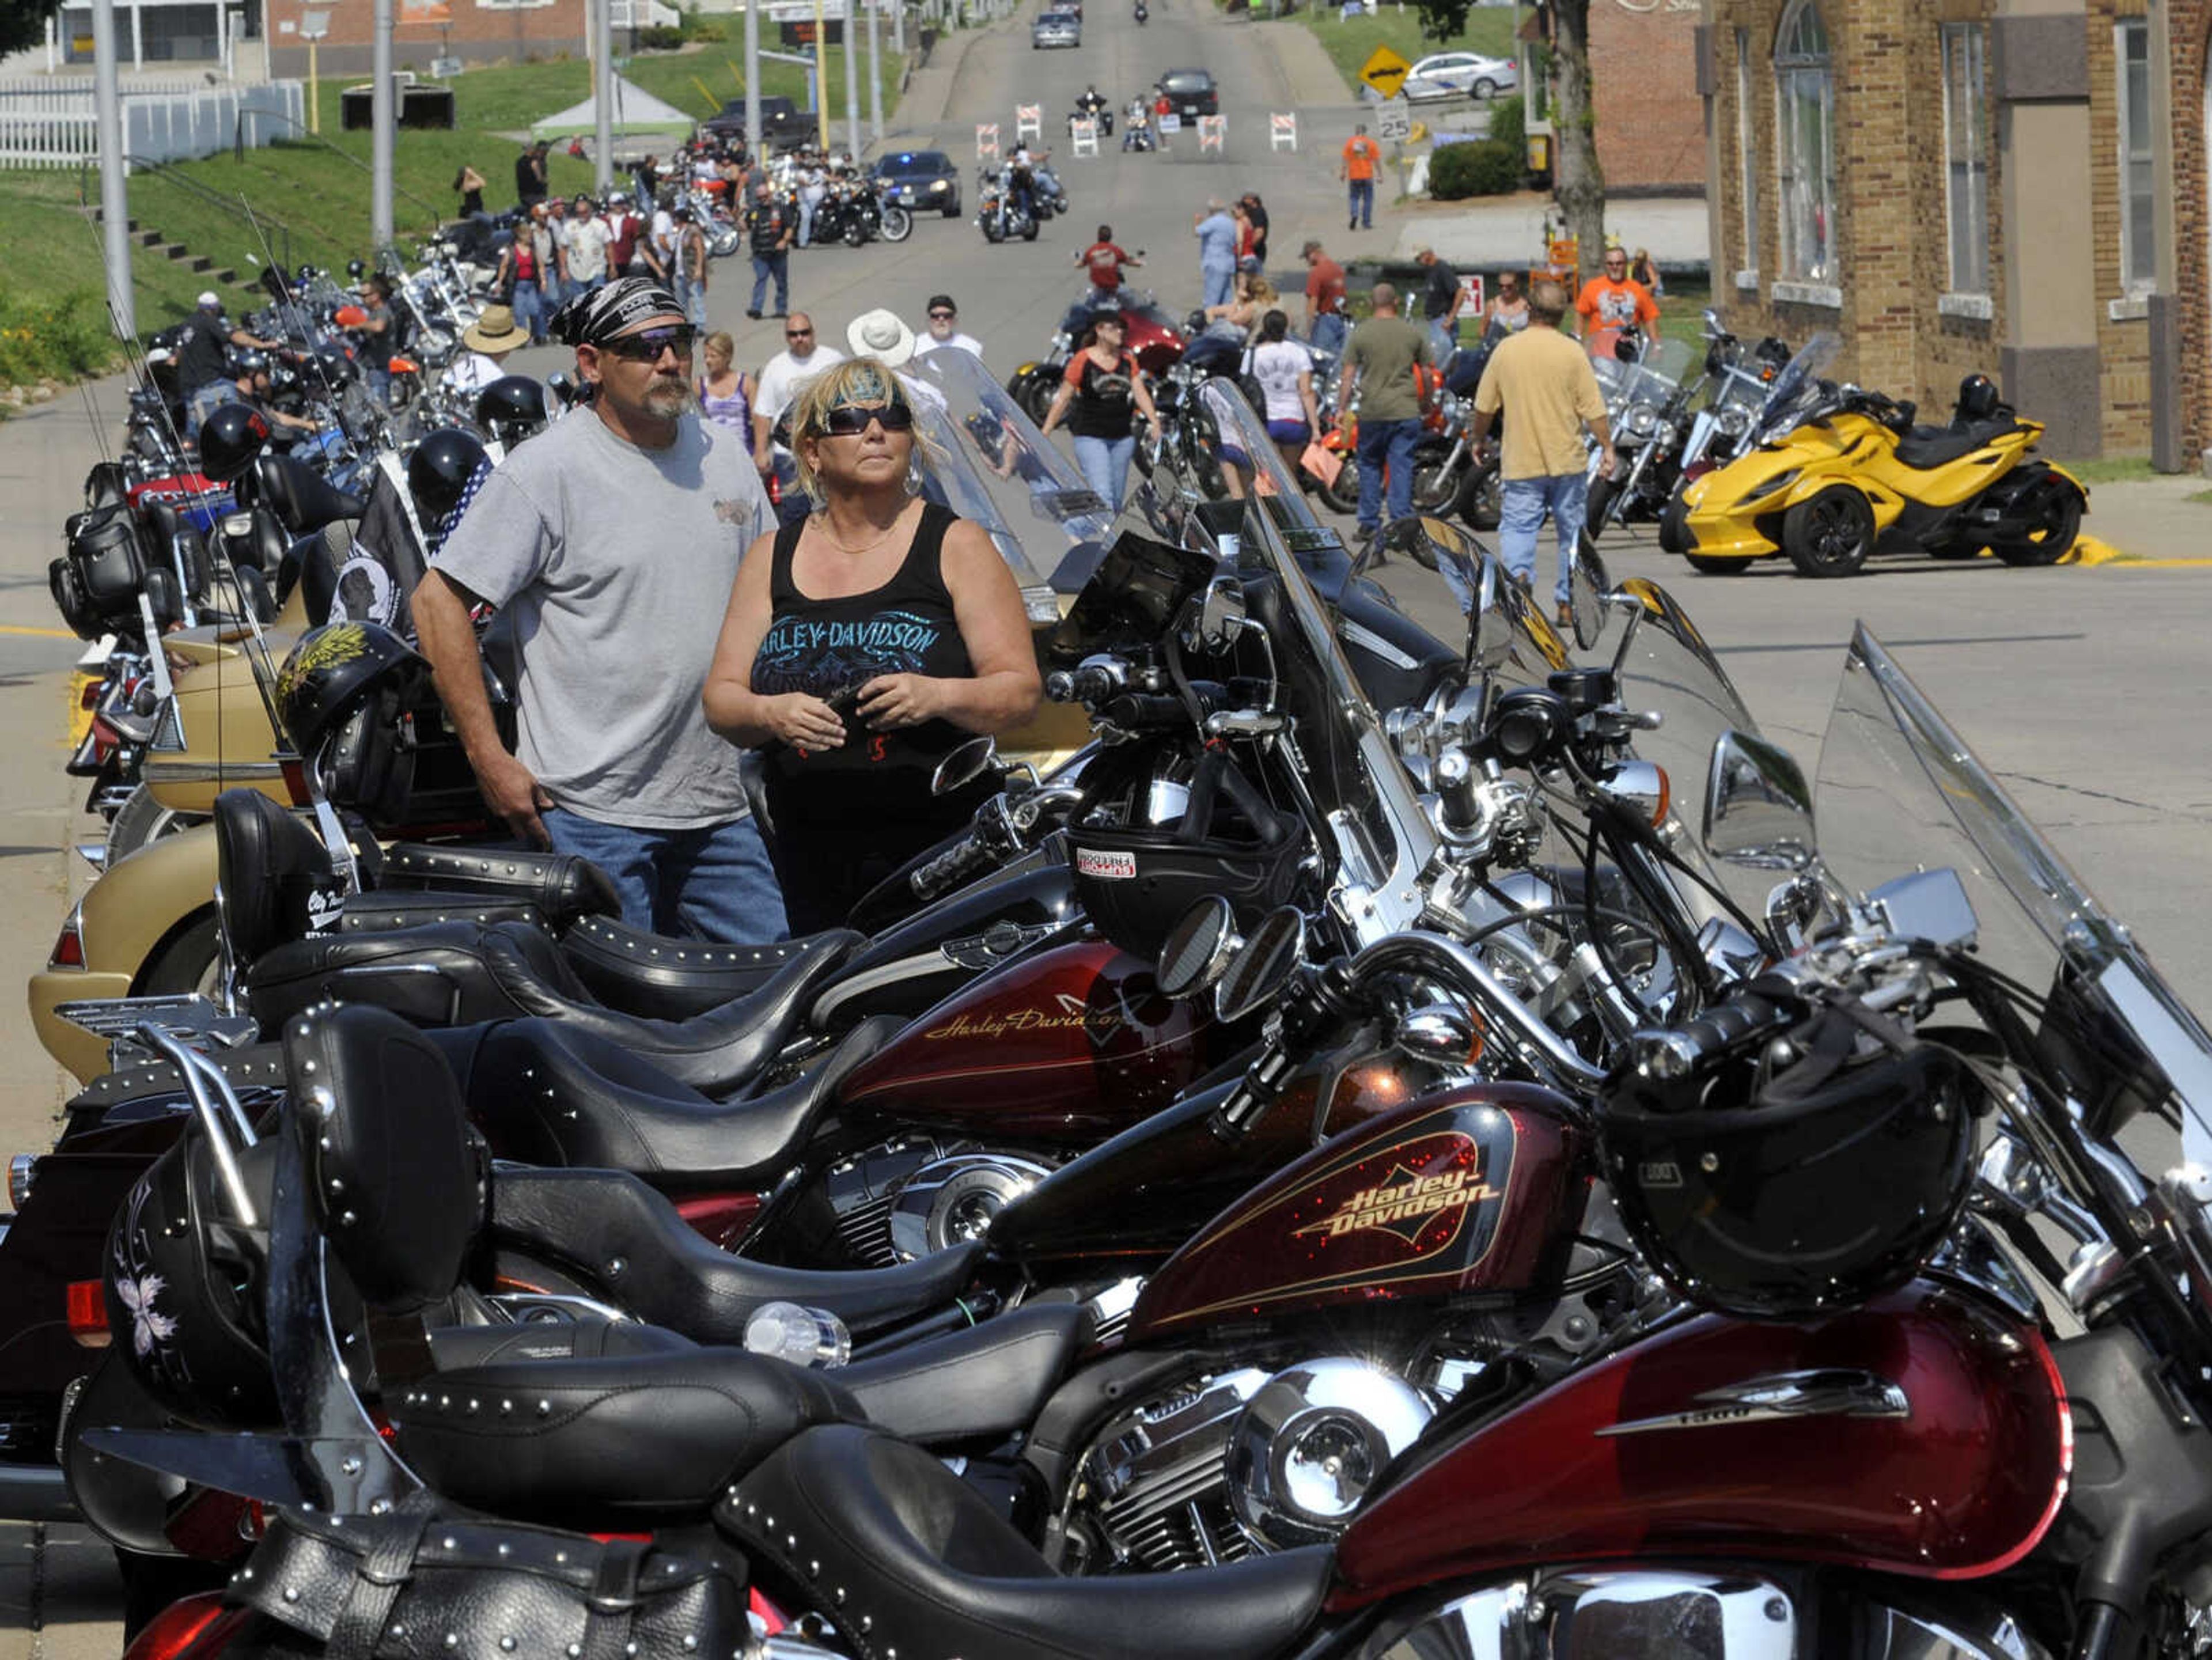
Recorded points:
(439, 471)
(346, 690)
(1796, 1169)
(511, 409)
(184, 1287)
(1978, 400)
(232, 436)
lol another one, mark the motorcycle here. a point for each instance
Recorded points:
(1854, 468)
(998, 211)
(1154, 338)
(1740, 380)
(1102, 112)
(1648, 396)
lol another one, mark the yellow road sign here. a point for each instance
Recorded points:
(1385, 71)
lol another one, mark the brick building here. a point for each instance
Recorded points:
(1644, 73)
(474, 31)
(1963, 185)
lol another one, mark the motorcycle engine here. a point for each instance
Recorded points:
(910, 1198)
(1242, 1462)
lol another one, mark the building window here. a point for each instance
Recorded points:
(1805, 110)
(1746, 150)
(2138, 208)
(1966, 157)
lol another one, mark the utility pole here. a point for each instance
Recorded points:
(602, 95)
(875, 78)
(821, 85)
(752, 81)
(851, 50)
(382, 122)
(114, 194)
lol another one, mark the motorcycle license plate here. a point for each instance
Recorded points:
(1322, 462)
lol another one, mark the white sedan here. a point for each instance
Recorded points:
(1462, 75)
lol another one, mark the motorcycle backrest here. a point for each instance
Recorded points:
(271, 867)
(397, 1176)
(303, 498)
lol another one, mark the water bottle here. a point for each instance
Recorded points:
(804, 1336)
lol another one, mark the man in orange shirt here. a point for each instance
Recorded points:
(1362, 159)
(1615, 304)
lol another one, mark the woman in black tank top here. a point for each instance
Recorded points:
(862, 644)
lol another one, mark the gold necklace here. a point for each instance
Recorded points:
(821, 519)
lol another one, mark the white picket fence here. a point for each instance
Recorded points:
(44, 126)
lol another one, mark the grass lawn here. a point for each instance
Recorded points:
(1350, 45)
(312, 195)
(2114, 469)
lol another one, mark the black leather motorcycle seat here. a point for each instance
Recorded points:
(902, 1547)
(716, 1052)
(562, 887)
(385, 910)
(579, 1221)
(547, 1094)
(640, 1435)
(455, 1348)
(642, 973)
(990, 1380)
(1934, 446)
(433, 975)
(266, 861)
(303, 498)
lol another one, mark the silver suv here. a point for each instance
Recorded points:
(1056, 29)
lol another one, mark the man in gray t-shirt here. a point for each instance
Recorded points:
(613, 538)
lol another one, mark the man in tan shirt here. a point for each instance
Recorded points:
(1542, 379)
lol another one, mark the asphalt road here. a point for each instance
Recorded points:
(2084, 689)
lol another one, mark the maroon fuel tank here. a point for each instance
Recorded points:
(1923, 1434)
(1476, 1189)
(1071, 1045)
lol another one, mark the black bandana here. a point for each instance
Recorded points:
(594, 319)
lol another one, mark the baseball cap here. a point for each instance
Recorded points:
(944, 300)
(210, 300)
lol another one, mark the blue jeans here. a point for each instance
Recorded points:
(1362, 203)
(709, 884)
(1105, 465)
(1220, 284)
(1386, 443)
(692, 296)
(1522, 505)
(1328, 333)
(529, 303)
(806, 221)
(205, 402)
(765, 266)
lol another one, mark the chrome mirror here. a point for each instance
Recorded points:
(1490, 640)
(1198, 948)
(1759, 809)
(1259, 972)
(1586, 592)
(964, 764)
(1220, 615)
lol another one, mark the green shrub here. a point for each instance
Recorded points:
(1507, 121)
(660, 37)
(1484, 168)
(62, 339)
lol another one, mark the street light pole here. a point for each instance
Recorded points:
(852, 86)
(821, 83)
(602, 95)
(752, 80)
(875, 77)
(382, 122)
(114, 194)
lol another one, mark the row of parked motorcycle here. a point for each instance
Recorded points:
(1397, 1131)
(1777, 461)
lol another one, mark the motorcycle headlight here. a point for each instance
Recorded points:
(1642, 421)
(1733, 419)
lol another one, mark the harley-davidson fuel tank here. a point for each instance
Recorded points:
(1477, 1189)
(1923, 1434)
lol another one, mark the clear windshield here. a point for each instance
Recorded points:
(1797, 388)
(1652, 379)
(1899, 790)
(987, 461)
(1245, 464)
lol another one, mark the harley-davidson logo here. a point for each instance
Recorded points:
(1404, 1204)
(1108, 866)
(1070, 1013)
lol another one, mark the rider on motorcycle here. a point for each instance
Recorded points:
(1092, 99)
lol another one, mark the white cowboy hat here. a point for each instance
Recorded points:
(882, 335)
(496, 330)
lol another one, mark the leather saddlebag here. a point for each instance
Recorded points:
(413, 1586)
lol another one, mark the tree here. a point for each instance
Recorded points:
(23, 22)
(1443, 20)
(1577, 181)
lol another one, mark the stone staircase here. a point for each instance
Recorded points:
(195, 262)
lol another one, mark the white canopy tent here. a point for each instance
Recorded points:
(636, 110)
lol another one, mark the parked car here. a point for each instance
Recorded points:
(921, 181)
(1462, 75)
(1056, 29)
(1192, 92)
(784, 126)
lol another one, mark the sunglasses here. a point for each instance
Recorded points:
(942, 316)
(798, 334)
(850, 420)
(647, 348)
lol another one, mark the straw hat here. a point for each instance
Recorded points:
(494, 331)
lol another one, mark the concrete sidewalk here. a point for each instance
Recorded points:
(2153, 520)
